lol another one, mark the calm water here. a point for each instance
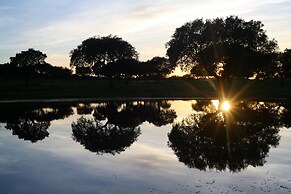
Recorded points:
(145, 147)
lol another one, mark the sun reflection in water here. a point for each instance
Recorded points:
(221, 105)
(225, 106)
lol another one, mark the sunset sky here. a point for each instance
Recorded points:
(57, 27)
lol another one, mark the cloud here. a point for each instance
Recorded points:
(62, 25)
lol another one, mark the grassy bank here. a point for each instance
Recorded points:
(189, 88)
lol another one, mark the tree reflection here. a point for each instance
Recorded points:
(31, 121)
(103, 138)
(115, 125)
(286, 114)
(210, 139)
(29, 129)
(135, 113)
(84, 108)
(38, 111)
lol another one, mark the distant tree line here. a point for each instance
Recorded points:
(112, 57)
(225, 49)
(31, 64)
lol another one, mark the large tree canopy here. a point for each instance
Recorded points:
(96, 52)
(28, 58)
(31, 64)
(27, 61)
(157, 67)
(228, 47)
(119, 68)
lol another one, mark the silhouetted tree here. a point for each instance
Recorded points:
(284, 67)
(157, 67)
(123, 68)
(27, 61)
(46, 70)
(83, 71)
(96, 52)
(210, 139)
(41, 70)
(224, 48)
(8, 71)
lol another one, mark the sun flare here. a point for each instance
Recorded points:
(225, 106)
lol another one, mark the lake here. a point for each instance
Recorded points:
(147, 146)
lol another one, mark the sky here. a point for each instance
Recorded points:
(55, 27)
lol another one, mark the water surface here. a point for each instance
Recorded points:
(145, 147)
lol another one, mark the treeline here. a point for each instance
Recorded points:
(101, 57)
(31, 64)
(225, 49)
(45, 70)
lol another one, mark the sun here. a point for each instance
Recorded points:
(225, 106)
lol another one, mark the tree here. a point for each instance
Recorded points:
(224, 48)
(46, 70)
(27, 61)
(122, 68)
(96, 52)
(157, 67)
(284, 67)
(7, 71)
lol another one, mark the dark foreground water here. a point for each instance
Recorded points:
(145, 147)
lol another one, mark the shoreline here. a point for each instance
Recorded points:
(98, 99)
(180, 89)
